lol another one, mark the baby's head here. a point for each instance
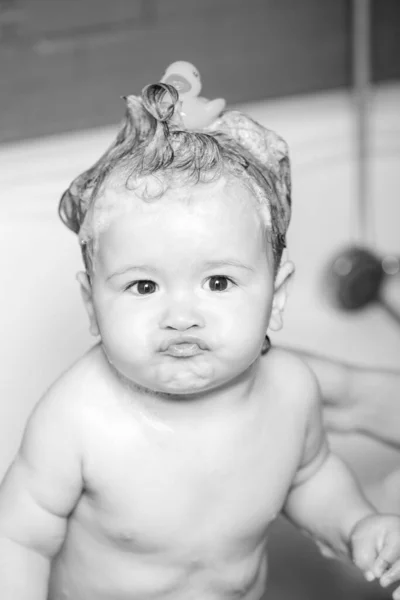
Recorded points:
(153, 152)
(182, 234)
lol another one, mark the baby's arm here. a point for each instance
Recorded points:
(325, 500)
(37, 494)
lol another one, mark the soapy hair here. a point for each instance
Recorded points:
(154, 152)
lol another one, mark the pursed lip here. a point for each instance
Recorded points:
(173, 345)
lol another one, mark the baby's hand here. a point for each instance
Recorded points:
(375, 543)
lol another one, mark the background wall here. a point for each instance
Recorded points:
(65, 63)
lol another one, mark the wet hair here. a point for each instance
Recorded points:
(154, 152)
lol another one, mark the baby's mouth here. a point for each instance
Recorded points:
(183, 347)
(183, 350)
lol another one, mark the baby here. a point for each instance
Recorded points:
(153, 468)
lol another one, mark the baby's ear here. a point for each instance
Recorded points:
(86, 291)
(282, 279)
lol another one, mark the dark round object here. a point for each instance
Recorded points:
(355, 277)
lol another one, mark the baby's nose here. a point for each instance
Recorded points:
(181, 315)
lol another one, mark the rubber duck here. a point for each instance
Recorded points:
(196, 112)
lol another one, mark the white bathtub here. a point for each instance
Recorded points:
(43, 324)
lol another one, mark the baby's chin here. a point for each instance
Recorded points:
(183, 382)
(184, 376)
(175, 389)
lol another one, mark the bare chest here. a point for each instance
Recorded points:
(195, 491)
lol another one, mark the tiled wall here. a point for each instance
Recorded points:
(65, 63)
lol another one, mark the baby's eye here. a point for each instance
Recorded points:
(143, 287)
(219, 283)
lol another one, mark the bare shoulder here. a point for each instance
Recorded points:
(299, 393)
(47, 471)
(80, 382)
(55, 438)
(67, 400)
(292, 378)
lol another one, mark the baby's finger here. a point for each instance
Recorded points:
(391, 575)
(388, 557)
(364, 556)
(396, 594)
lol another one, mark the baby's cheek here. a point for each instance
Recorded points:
(121, 340)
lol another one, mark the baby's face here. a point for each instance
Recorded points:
(183, 287)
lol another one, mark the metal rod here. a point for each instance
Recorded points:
(361, 82)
